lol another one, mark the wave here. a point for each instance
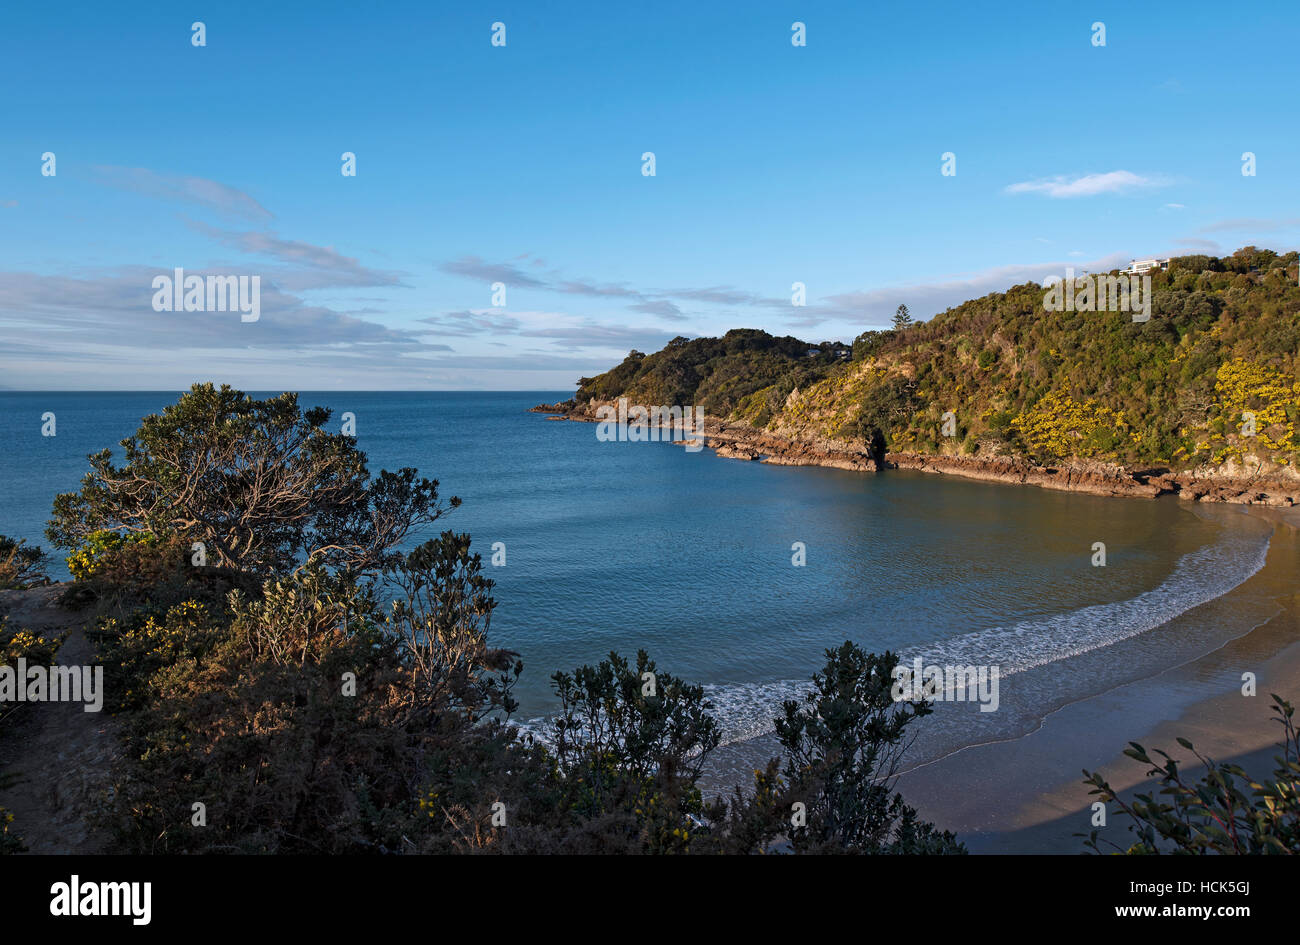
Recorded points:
(746, 710)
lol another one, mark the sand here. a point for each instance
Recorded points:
(1027, 795)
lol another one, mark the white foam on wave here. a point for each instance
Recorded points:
(742, 710)
(746, 710)
(1199, 577)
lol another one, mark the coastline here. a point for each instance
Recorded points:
(1016, 796)
(1231, 484)
(1025, 795)
(1021, 795)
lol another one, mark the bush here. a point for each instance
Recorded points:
(120, 573)
(15, 643)
(1225, 812)
(304, 722)
(629, 745)
(260, 483)
(843, 747)
(21, 565)
(140, 647)
(89, 559)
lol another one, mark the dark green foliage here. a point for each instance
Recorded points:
(262, 484)
(843, 747)
(882, 408)
(629, 746)
(868, 343)
(1225, 812)
(306, 720)
(118, 576)
(714, 373)
(21, 565)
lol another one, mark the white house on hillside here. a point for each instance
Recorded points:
(1140, 266)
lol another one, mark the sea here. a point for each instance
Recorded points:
(738, 576)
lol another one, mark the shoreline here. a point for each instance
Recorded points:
(1025, 794)
(1016, 797)
(740, 441)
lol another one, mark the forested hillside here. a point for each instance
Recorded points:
(1210, 378)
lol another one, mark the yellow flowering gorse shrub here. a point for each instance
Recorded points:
(1059, 426)
(1259, 409)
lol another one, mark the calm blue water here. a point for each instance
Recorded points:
(620, 546)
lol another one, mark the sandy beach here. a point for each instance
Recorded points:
(1026, 795)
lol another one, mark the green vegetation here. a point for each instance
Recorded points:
(100, 549)
(844, 746)
(21, 566)
(715, 373)
(353, 704)
(259, 483)
(1225, 812)
(1222, 343)
(313, 688)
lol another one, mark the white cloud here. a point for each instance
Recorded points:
(309, 266)
(1089, 185)
(1255, 224)
(200, 191)
(557, 331)
(1193, 243)
(874, 307)
(661, 303)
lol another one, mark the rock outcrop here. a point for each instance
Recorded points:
(1279, 488)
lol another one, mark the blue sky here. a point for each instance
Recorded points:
(522, 164)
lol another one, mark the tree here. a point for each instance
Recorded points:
(884, 407)
(902, 318)
(260, 483)
(630, 744)
(442, 618)
(867, 344)
(843, 748)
